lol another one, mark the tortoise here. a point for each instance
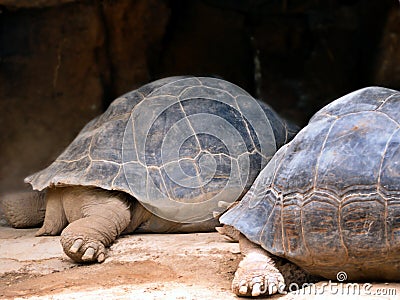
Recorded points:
(329, 200)
(167, 157)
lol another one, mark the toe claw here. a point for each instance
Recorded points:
(272, 289)
(88, 255)
(224, 204)
(256, 291)
(76, 246)
(216, 214)
(243, 287)
(101, 257)
(243, 290)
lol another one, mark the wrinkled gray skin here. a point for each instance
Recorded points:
(328, 201)
(96, 189)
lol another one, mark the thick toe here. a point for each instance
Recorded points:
(76, 246)
(89, 254)
(257, 286)
(242, 288)
(40, 232)
(101, 257)
(48, 230)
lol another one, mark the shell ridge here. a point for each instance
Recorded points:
(229, 83)
(378, 187)
(320, 152)
(384, 101)
(209, 88)
(164, 184)
(264, 228)
(269, 125)
(389, 117)
(191, 127)
(167, 83)
(276, 193)
(115, 177)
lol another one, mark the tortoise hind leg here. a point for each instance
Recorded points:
(103, 217)
(55, 219)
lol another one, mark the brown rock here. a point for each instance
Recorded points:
(207, 40)
(316, 51)
(51, 84)
(387, 65)
(135, 30)
(32, 3)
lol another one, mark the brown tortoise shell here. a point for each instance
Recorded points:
(329, 200)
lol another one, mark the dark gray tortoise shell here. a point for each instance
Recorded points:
(179, 145)
(329, 200)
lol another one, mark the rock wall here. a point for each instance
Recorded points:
(63, 62)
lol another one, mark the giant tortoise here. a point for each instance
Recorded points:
(166, 157)
(328, 201)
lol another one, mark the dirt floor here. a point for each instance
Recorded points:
(149, 266)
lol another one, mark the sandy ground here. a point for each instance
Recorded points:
(147, 266)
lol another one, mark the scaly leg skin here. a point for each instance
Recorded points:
(55, 219)
(24, 209)
(104, 216)
(256, 274)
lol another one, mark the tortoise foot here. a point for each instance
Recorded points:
(256, 275)
(83, 249)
